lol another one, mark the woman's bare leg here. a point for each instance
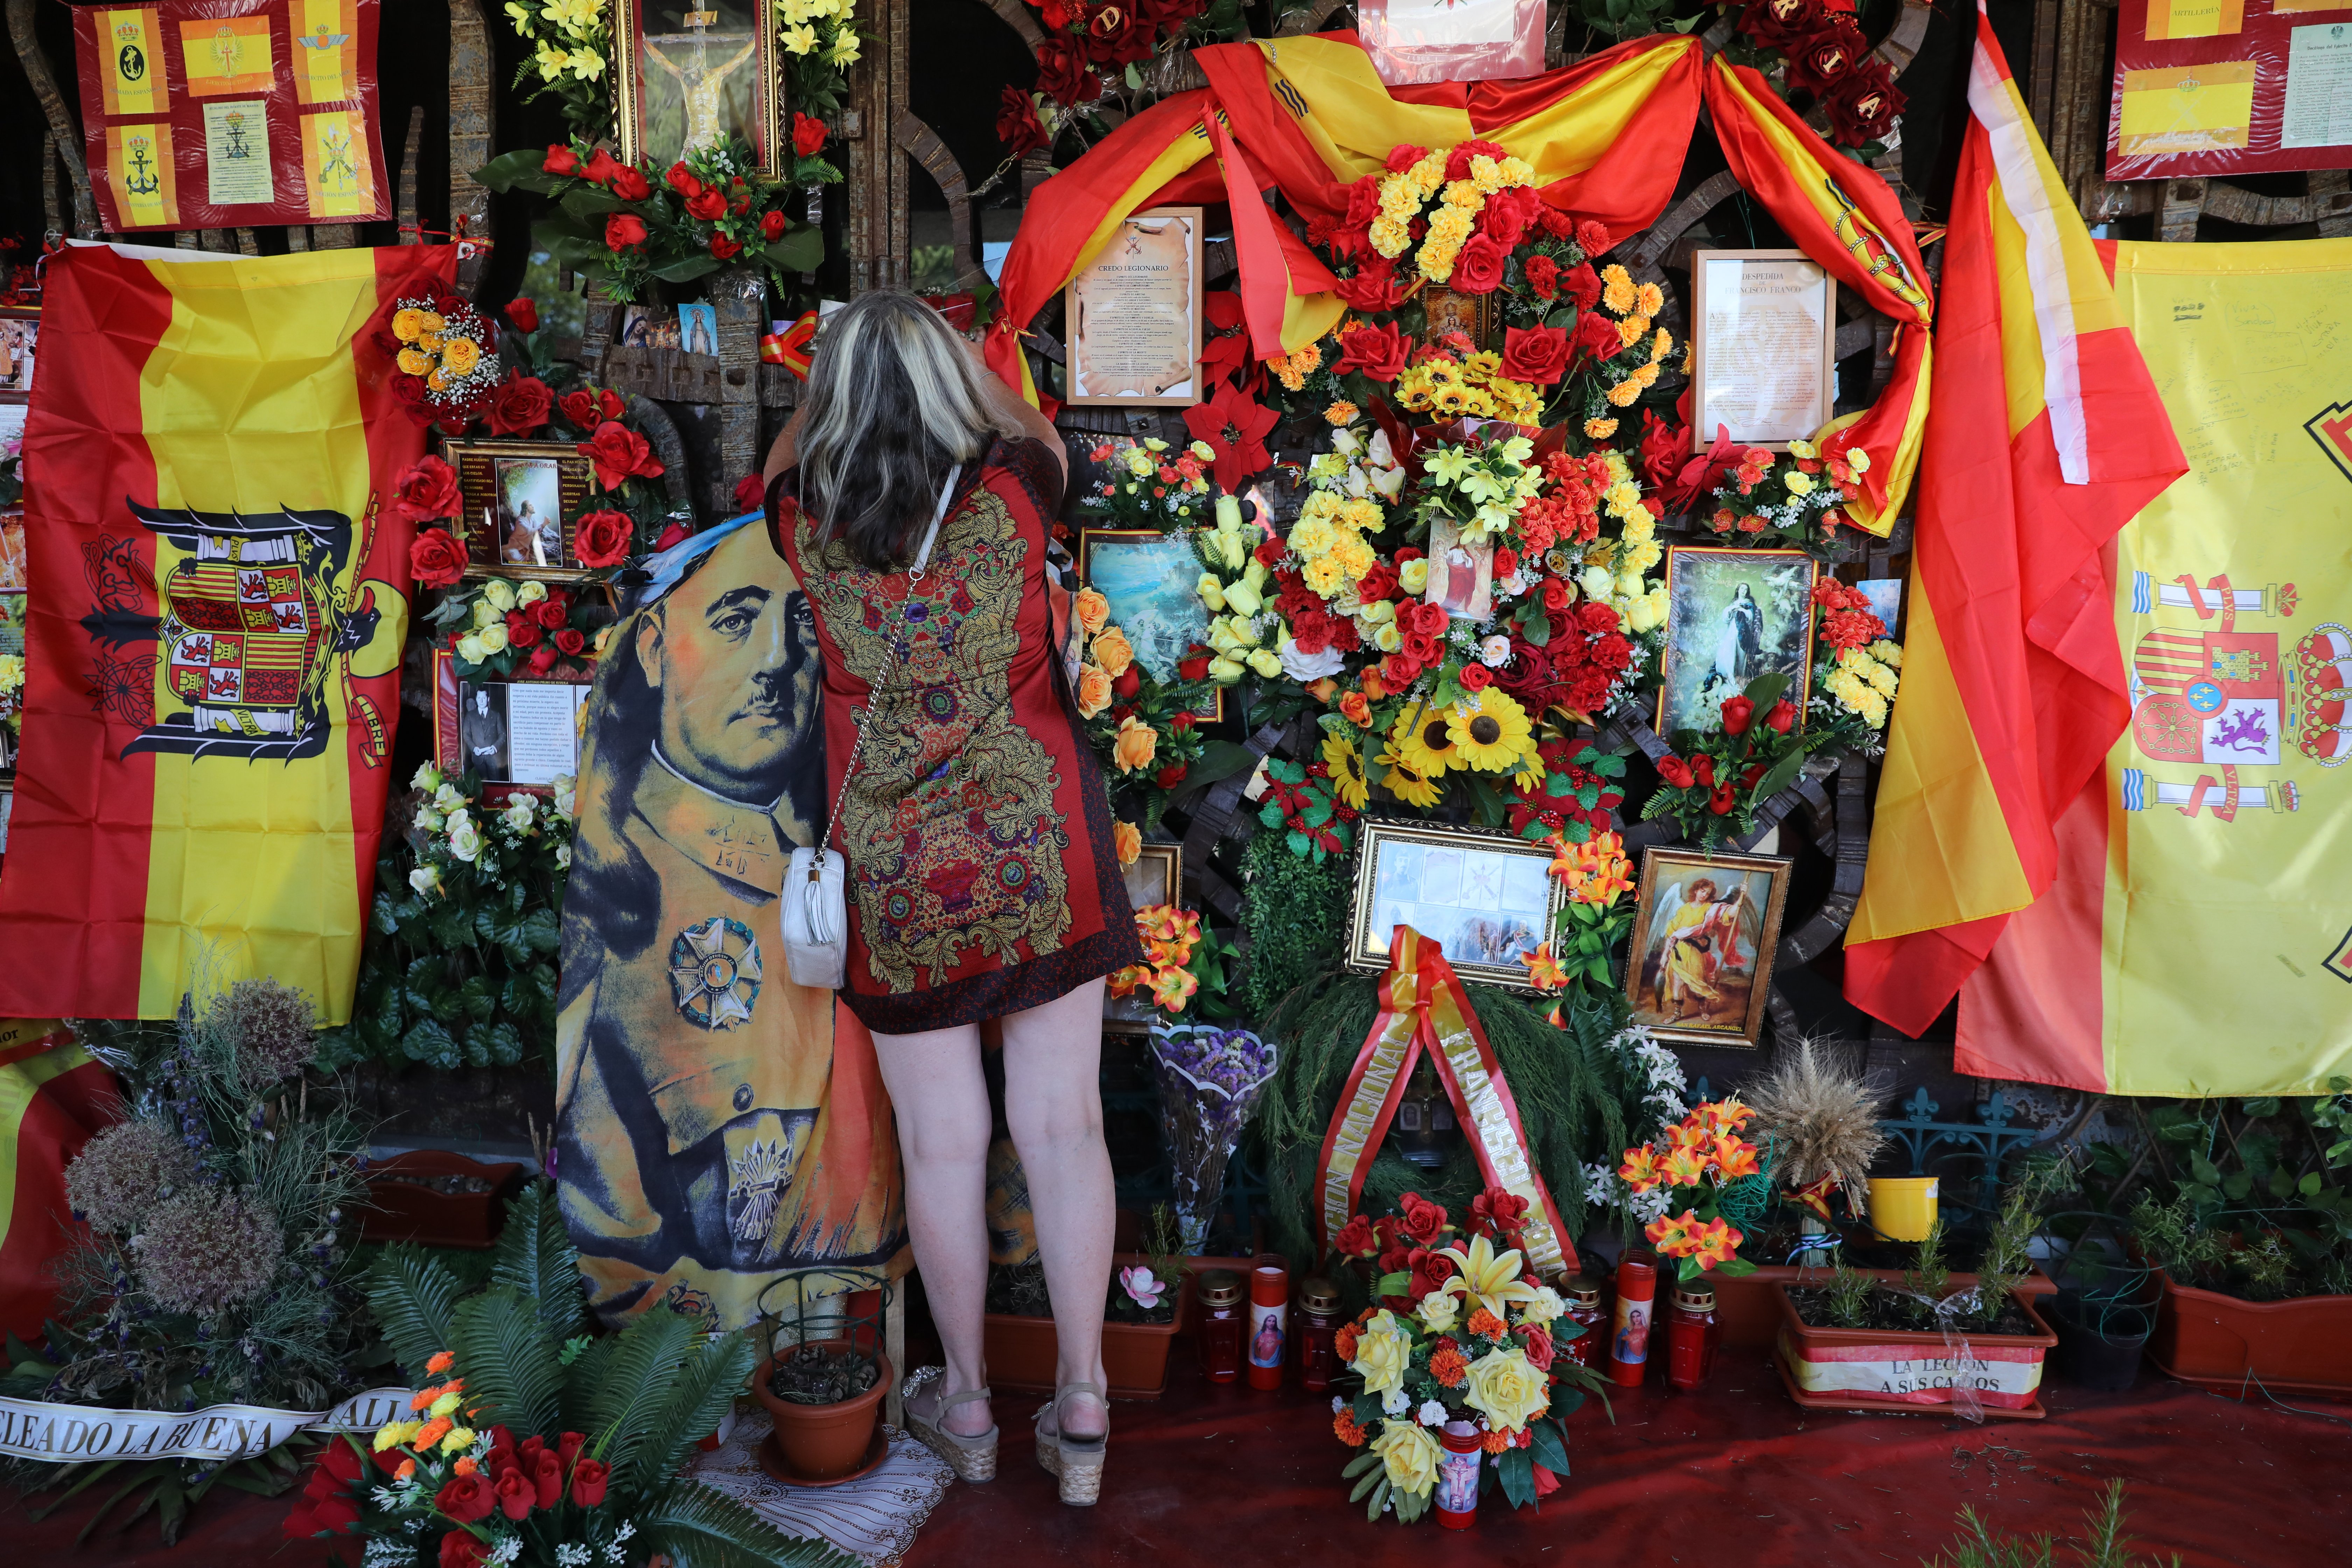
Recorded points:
(1053, 1102)
(942, 1101)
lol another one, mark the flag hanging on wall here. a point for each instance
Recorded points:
(212, 657)
(2197, 937)
(53, 1096)
(2043, 435)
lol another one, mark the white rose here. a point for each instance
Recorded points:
(493, 638)
(427, 778)
(425, 880)
(469, 649)
(1495, 651)
(447, 798)
(429, 820)
(1359, 483)
(1597, 582)
(1390, 482)
(1378, 451)
(531, 593)
(1304, 666)
(1345, 442)
(484, 613)
(497, 592)
(519, 814)
(565, 798)
(465, 839)
(1386, 637)
(1515, 584)
(563, 854)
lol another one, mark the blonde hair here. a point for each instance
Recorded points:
(893, 402)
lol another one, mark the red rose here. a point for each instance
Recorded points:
(1736, 712)
(569, 641)
(1129, 682)
(624, 231)
(579, 409)
(560, 160)
(522, 630)
(547, 1476)
(1373, 288)
(1182, 721)
(1424, 1221)
(551, 611)
(1582, 284)
(1404, 156)
(1539, 1347)
(600, 166)
(435, 559)
(1195, 669)
(588, 1477)
(1477, 677)
(427, 492)
(1017, 125)
(1863, 106)
(603, 539)
(1424, 648)
(751, 495)
(1457, 161)
(808, 135)
(1478, 268)
(568, 1446)
(771, 225)
(1718, 799)
(1543, 275)
(1355, 1239)
(681, 179)
(1596, 337)
(1431, 619)
(462, 1550)
(1399, 670)
(1818, 62)
(619, 453)
(1675, 772)
(520, 405)
(1380, 352)
(1535, 353)
(1703, 769)
(1782, 717)
(1555, 596)
(466, 1498)
(1169, 776)
(1592, 238)
(523, 311)
(629, 185)
(724, 248)
(708, 204)
(1507, 560)
(1780, 23)
(542, 659)
(1062, 73)
(1380, 583)
(515, 1494)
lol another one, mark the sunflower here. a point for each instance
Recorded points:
(1407, 785)
(1490, 732)
(1346, 764)
(1422, 741)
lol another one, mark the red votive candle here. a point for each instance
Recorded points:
(1628, 1342)
(1269, 1321)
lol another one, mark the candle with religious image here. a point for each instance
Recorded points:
(1629, 1341)
(1269, 1321)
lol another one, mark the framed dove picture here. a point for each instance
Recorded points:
(1134, 315)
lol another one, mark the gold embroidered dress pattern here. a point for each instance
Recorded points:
(950, 856)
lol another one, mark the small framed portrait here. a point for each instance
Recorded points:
(1732, 615)
(20, 333)
(1461, 576)
(1484, 898)
(693, 73)
(697, 328)
(1134, 315)
(1157, 877)
(1450, 312)
(12, 549)
(523, 503)
(1764, 347)
(644, 327)
(1151, 579)
(1885, 596)
(511, 733)
(1698, 967)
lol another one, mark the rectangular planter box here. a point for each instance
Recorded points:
(402, 1208)
(1912, 1373)
(2299, 1346)
(1022, 1352)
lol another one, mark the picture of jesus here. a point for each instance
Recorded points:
(698, 79)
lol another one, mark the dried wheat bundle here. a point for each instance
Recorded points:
(1824, 1120)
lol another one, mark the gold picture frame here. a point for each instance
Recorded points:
(1122, 284)
(1482, 896)
(1684, 959)
(1751, 337)
(1156, 877)
(643, 102)
(1143, 605)
(486, 525)
(1690, 600)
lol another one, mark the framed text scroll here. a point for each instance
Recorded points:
(1764, 347)
(1134, 316)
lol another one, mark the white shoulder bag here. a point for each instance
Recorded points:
(815, 913)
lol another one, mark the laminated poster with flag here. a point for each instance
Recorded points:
(214, 650)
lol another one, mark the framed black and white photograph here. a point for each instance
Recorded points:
(1732, 615)
(511, 733)
(1484, 898)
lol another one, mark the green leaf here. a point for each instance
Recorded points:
(1735, 1267)
(535, 1259)
(474, 998)
(691, 1523)
(590, 203)
(513, 1373)
(1220, 759)
(414, 1297)
(1782, 774)
(428, 1042)
(1516, 1468)
(1549, 1450)
(801, 249)
(700, 1399)
(686, 268)
(2310, 1185)
(543, 932)
(1537, 628)
(2281, 1183)
(2237, 1185)
(1300, 844)
(1397, 1284)
(2267, 1105)
(1765, 691)
(567, 243)
(517, 170)
(2204, 1170)
(634, 1381)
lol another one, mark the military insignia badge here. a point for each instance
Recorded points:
(714, 968)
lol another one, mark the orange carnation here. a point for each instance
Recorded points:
(1485, 1325)
(432, 1432)
(1494, 1442)
(1449, 1367)
(1344, 1428)
(1344, 1342)
(442, 1361)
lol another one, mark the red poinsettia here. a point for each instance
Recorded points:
(1235, 427)
(1226, 347)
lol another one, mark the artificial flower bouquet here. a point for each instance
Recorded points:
(495, 626)
(444, 354)
(1145, 728)
(1210, 1079)
(1459, 1332)
(1148, 484)
(1170, 971)
(1686, 1182)
(1595, 875)
(1793, 496)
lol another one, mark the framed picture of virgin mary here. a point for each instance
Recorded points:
(695, 73)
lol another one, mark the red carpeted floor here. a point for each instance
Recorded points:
(1736, 1475)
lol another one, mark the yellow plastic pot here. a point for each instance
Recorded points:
(1903, 1208)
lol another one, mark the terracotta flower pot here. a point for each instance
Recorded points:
(1022, 1352)
(1912, 1373)
(2303, 1345)
(824, 1442)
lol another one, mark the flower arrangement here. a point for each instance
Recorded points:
(1145, 728)
(446, 359)
(1821, 51)
(1170, 935)
(572, 40)
(1314, 804)
(1457, 1334)
(1090, 48)
(11, 692)
(819, 41)
(1703, 1167)
(1713, 788)
(1793, 496)
(1594, 873)
(1147, 485)
(495, 626)
(1856, 667)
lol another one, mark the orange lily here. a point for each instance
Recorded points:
(1727, 1114)
(1544, 972)
(1734, 1157)
(1683, 1167)
(1714, 1242)
(1172, 987)
(1672, 1235)
(1640, 1171)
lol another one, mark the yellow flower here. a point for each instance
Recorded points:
(1346, 764)
(1600, 429)
(1624, 393)
(1887, 652)
(1798, 483)
(800, 40)
(1413, 575)
(1463, 194)
(1421, 740)
(1649, 299)
(413, 363)
(1312, 535)
(438, 379)
(429, 341)
(844, 53)
(1113, 651)
(1439, 1312)
(1799, 447)
(459, 1439)
(1134, 747)
(1390, 236)
(1093, 610)
(1325, 575)
(1660, 345)
(430, 320)
(445, 1405)
(1382, 1353)
(1631, 331)
(1409, 786)
(1094, 690)
(1127, 841)
(1506, 1387)
(1490, 732)
(1486, 1278)
(1617, 289)
(391, 1434)
(1411, 1454)
(408, 325)
(460, 355)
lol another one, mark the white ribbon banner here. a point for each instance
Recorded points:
(76, 1434)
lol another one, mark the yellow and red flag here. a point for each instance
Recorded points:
(213, 646)
(2044, 435)
(53, 1096)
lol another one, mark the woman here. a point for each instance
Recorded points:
(982, 881)
(1738, 643)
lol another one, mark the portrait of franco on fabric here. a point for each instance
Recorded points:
(717, 1125)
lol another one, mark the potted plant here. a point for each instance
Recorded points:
(823, 1390)
(1143, 1314)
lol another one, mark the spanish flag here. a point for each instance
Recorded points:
(53, 1096)
(2043, 436)
(213, 643)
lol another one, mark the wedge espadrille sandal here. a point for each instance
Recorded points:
(1075, 1462)
(971, 1458)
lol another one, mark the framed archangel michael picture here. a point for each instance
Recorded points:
(696, 73)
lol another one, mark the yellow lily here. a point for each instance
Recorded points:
(1486, 1277)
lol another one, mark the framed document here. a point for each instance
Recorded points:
(1764, 354)
(693, 73)
(523, 504)
(1485, 897)
(511, 733)
(1134, 315)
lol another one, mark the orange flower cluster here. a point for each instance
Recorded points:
(1344, 1342)
(1170, 935)
(1494, 1442)
(1449, 1367)
(1710, 1241)
(1343, 1426)
(1594, 872)
(1485, 1325)
(1706, 1144)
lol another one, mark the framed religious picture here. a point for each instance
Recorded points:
(1461, 574)
(1450, 312)
(695, 72)
(20, 333)
(1484, 898)
(1149, 578)
(697, 328)
(1698, 967)
(514, 731)
(1157, 877)
(1764, 354)
(1133, 322)
(1732, 615)
(12, 549)
(523, 504)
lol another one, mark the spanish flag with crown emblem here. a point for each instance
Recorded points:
(2044, 435)
(214, 639)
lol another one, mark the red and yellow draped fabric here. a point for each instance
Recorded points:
(2196, 936)
(52, 1097)
(1424, 1008)
(1307, 116)
(2044, 435)
(211, 661)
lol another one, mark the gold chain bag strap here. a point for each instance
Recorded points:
(815, 913)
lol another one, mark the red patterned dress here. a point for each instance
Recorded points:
(982, 879)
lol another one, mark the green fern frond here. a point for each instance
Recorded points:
(646, 1357)
(514, 1373)
(698, 1401)
(536, 1260)
(414, 1298)
(699, 1528)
